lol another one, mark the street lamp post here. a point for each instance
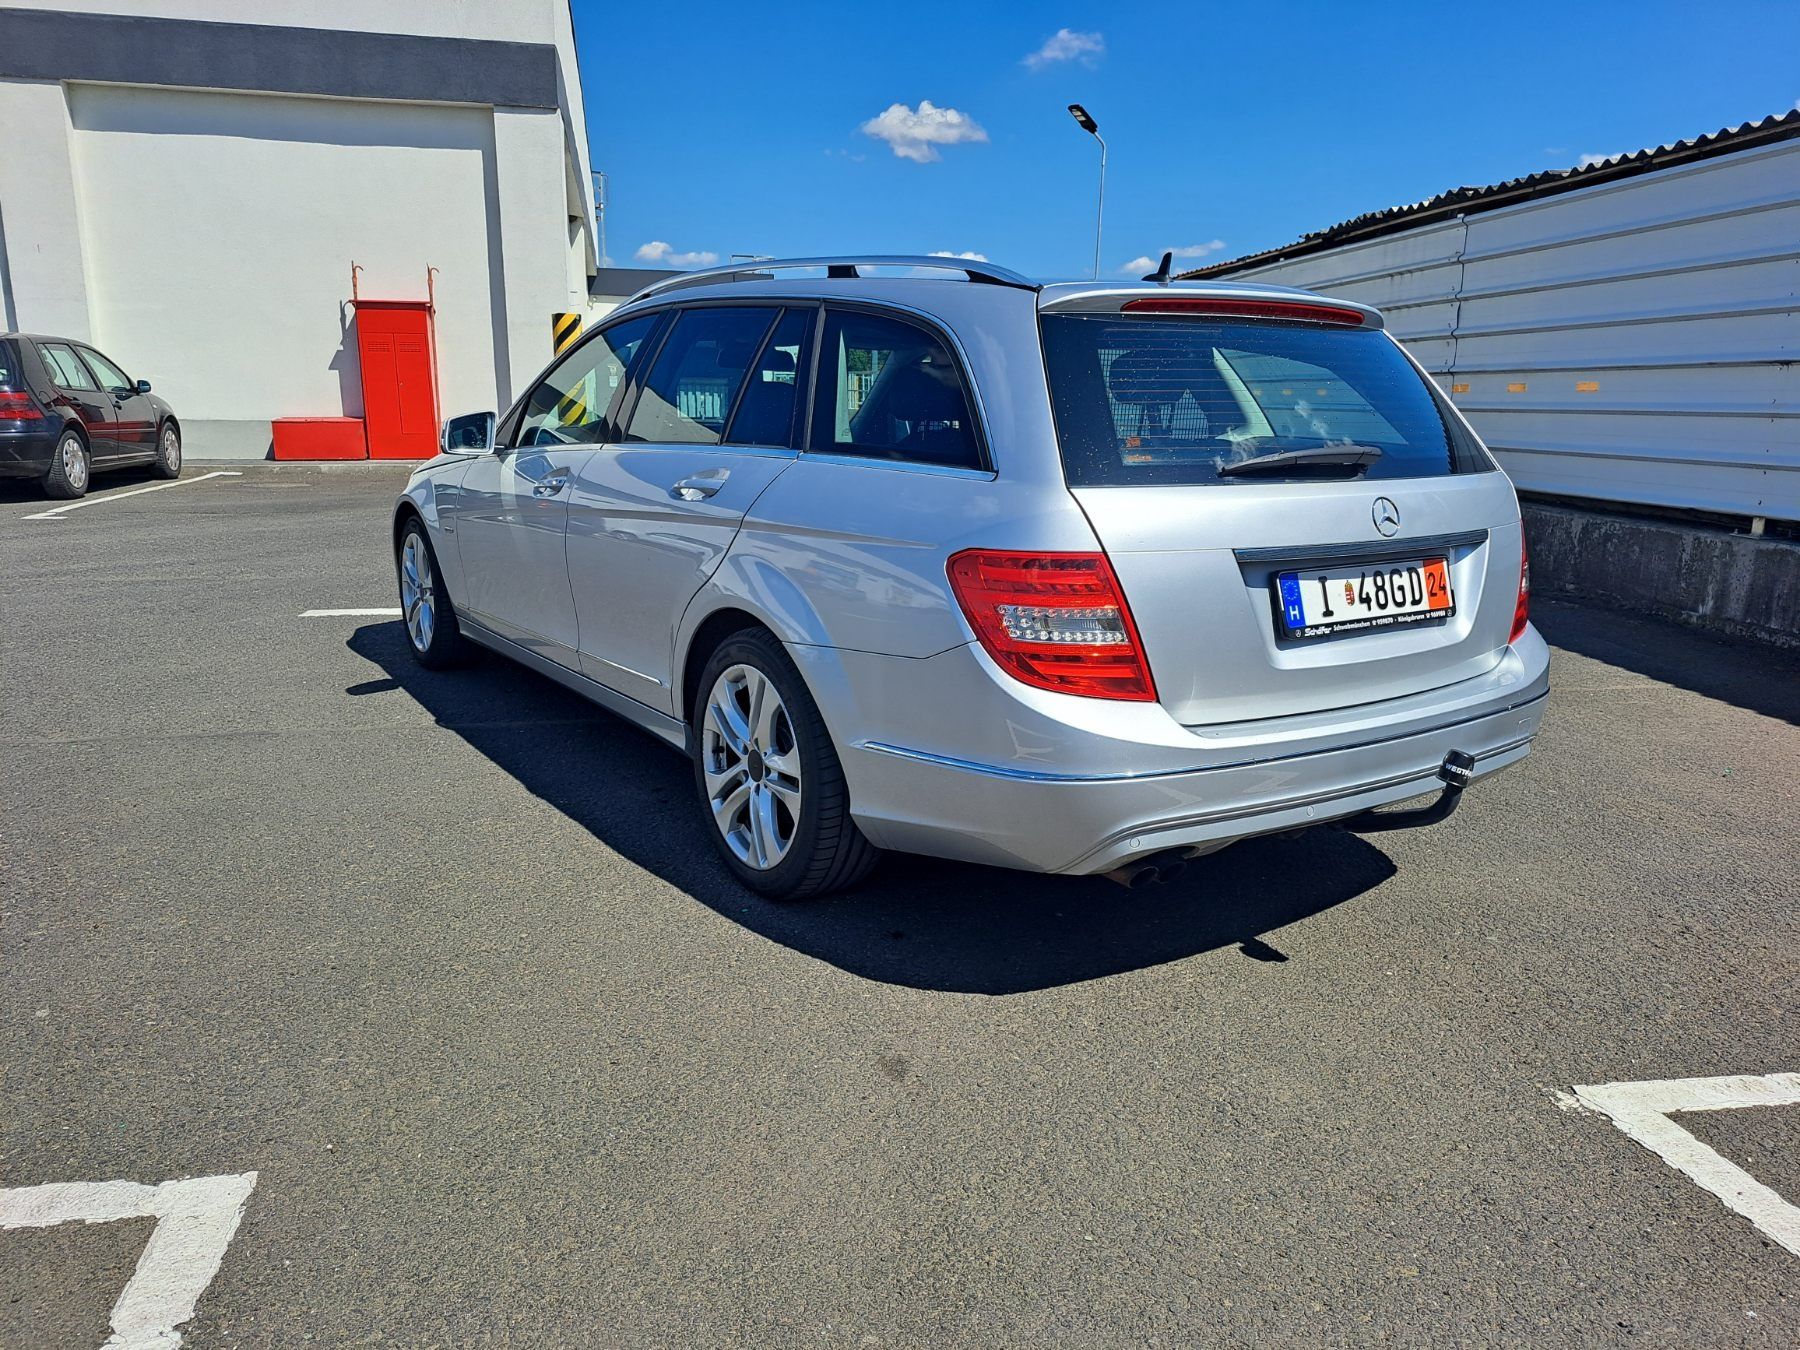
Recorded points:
(1089, 125)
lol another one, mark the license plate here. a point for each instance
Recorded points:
(1363, 596)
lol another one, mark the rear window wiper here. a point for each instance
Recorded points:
(1357, 457)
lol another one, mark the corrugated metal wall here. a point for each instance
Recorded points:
(1634, 342)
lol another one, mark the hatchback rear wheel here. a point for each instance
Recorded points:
(69, 468)
(769, 778)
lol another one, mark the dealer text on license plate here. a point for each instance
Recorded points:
(1367, 595)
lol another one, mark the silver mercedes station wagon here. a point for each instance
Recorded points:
(918, 554)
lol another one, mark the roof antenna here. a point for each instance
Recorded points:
(1161, 275)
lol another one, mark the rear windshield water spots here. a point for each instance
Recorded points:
(1161, 399)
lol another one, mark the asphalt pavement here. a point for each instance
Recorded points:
(446, 960)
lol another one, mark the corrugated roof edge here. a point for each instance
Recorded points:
(1470, 200)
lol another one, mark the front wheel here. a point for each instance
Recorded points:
(769, 778)
(167, 463)
(431, 627)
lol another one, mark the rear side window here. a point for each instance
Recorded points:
(1143, 400)
(891, 390)
(696, 376)
(774, 398)
(65, 367)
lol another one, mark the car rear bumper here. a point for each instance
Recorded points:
(1049, 807)
(26, 454)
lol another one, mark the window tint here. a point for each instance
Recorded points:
(695, 378)
(65, 367)
(769, 411)
(110, 375)
(570, 406)
(1184, 400)
(890, 389)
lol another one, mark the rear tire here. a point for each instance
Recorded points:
(771, 788)
(425, 610)
(167, 463)
(70, 468)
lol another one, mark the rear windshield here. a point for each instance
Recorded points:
(1146, 399)
(10, 374)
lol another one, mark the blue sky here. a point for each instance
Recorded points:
(744, 128)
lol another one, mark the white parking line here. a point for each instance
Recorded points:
(195, 1221)
(1642, 1111)
(349, 613)
(57, 513)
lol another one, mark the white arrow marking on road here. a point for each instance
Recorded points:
(350, 613)
(1642, 1111)
(195, 1220)
(57, 513)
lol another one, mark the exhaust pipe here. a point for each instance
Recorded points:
(1156, 870)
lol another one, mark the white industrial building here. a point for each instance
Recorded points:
(187, 183)
(1625, 337)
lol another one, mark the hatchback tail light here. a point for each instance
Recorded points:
(1058, 621)
(16, 405)
(1522, 608)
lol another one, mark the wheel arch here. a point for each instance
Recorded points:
(712, 630)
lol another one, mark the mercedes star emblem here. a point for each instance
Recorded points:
(1386, 516)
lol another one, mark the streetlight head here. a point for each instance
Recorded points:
(1088, 124)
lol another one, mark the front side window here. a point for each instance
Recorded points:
(890, 389)
(1164, 399)
(65, 367)
(695, 378)
(570, 406)
(774, 399)
(111, 377)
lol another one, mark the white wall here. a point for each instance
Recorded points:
(40, 232)
(219, 230)
(1636, 341)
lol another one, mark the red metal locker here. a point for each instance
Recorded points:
(399, 377)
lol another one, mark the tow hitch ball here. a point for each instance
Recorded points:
(1457, 772)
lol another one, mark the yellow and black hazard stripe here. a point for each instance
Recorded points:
(564, 329)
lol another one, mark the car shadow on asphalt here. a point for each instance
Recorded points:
(1739, 671)
(917, 922)
(30, 491)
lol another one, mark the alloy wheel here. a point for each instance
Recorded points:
(171, 450)
(751, 762)
(75, 464)
(418, 591)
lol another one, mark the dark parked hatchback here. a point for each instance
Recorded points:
(67, 413)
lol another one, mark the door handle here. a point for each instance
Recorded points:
(551, 485)
(697, 488)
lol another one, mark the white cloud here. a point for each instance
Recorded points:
(664, 255)
(916, 133)
(946, 253)
(1588, 161)
(1149, 264)
(1065, 44)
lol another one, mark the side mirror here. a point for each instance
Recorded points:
(470, 434)
(143, 386)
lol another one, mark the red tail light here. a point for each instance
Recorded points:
(1245, 309)
(1522, 610)
(19, 406)
(1054, 620)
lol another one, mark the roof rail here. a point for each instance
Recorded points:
(844, 267)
